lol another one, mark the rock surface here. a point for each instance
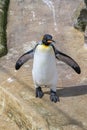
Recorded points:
(3, 22)
(6, 123)
(80, 19)
(28, 21)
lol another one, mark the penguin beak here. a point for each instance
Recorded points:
(50, 41)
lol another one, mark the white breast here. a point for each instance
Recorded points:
(44, 65)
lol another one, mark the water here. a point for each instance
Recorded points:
(51, 6)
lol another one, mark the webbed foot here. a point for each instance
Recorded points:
(54, 97)
(39, 92)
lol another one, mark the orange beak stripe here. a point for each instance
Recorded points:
(49, 41)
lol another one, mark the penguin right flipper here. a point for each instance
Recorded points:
(68, 60)
(24, 58)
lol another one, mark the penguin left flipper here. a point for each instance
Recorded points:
(68, 60)
(24, 58)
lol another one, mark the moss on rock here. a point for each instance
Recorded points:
(3, 23)
(80, 16)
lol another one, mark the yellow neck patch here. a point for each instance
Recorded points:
(43, 47)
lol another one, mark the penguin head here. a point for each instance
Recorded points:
(47, 39)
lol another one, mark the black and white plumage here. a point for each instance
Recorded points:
(44, 70)
(59, 55)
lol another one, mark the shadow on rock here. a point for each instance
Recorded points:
(72, 91)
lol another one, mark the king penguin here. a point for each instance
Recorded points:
(44, 70)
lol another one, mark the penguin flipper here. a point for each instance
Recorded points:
(24, 58)
(68, 60)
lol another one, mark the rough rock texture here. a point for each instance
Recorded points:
(3, 22)
(80, 16)
(85, 37)
(27, 22)
(6, 123)
(80, 19)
